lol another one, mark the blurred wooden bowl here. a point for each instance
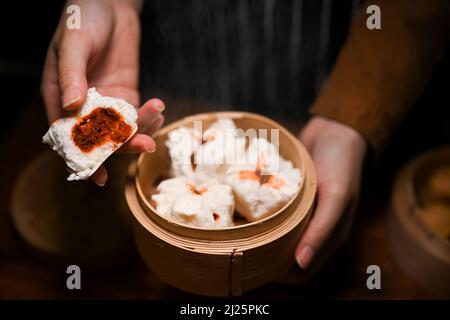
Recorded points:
(63, 222)
(419, 223)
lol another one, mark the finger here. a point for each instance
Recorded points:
(331, 205)
(157, 124)
(130, 95)
(73, 50)
(49, 86)
(148, 113)
(100, 176)
(139, 143)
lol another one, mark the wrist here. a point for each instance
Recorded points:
(330, 131)
(346, 132)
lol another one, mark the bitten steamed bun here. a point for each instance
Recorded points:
(87, 139)
(204, 203)
(265, 183)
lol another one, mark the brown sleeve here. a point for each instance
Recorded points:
(380, 73)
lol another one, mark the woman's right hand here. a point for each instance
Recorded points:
(103, 53)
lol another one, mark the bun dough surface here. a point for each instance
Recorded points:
(201, 203)
(99, 128)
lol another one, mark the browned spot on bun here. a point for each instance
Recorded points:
(196, 191)
(275, 182)
(153, 203)
(248, 175)
(193, 165)
(263, 178)
(271, 180)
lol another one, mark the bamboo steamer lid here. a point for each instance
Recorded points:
(219, 262)
(419, 222)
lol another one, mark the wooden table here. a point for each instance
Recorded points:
(23, 277)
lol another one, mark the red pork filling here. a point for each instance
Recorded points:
(100, 126)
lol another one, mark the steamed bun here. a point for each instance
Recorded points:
(87, 139)
(202, 203)
(265, 183)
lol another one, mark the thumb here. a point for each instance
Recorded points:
(331, 205)
(73, 51)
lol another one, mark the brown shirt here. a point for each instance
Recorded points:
(380, 73)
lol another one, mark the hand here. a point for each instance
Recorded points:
(338, 153)
(104, 53)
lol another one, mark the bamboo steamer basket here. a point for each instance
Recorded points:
(227, 261)
(419, 250)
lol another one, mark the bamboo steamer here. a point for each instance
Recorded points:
(414, 231)
(219, 262)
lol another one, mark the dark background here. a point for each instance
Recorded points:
(26, 29)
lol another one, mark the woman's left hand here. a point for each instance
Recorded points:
(338, 153)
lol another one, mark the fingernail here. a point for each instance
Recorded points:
(98, 183)
(159, 106)
(71, 95)
(150, 150)
(70, 103)
(305, 257)
(101, 182)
